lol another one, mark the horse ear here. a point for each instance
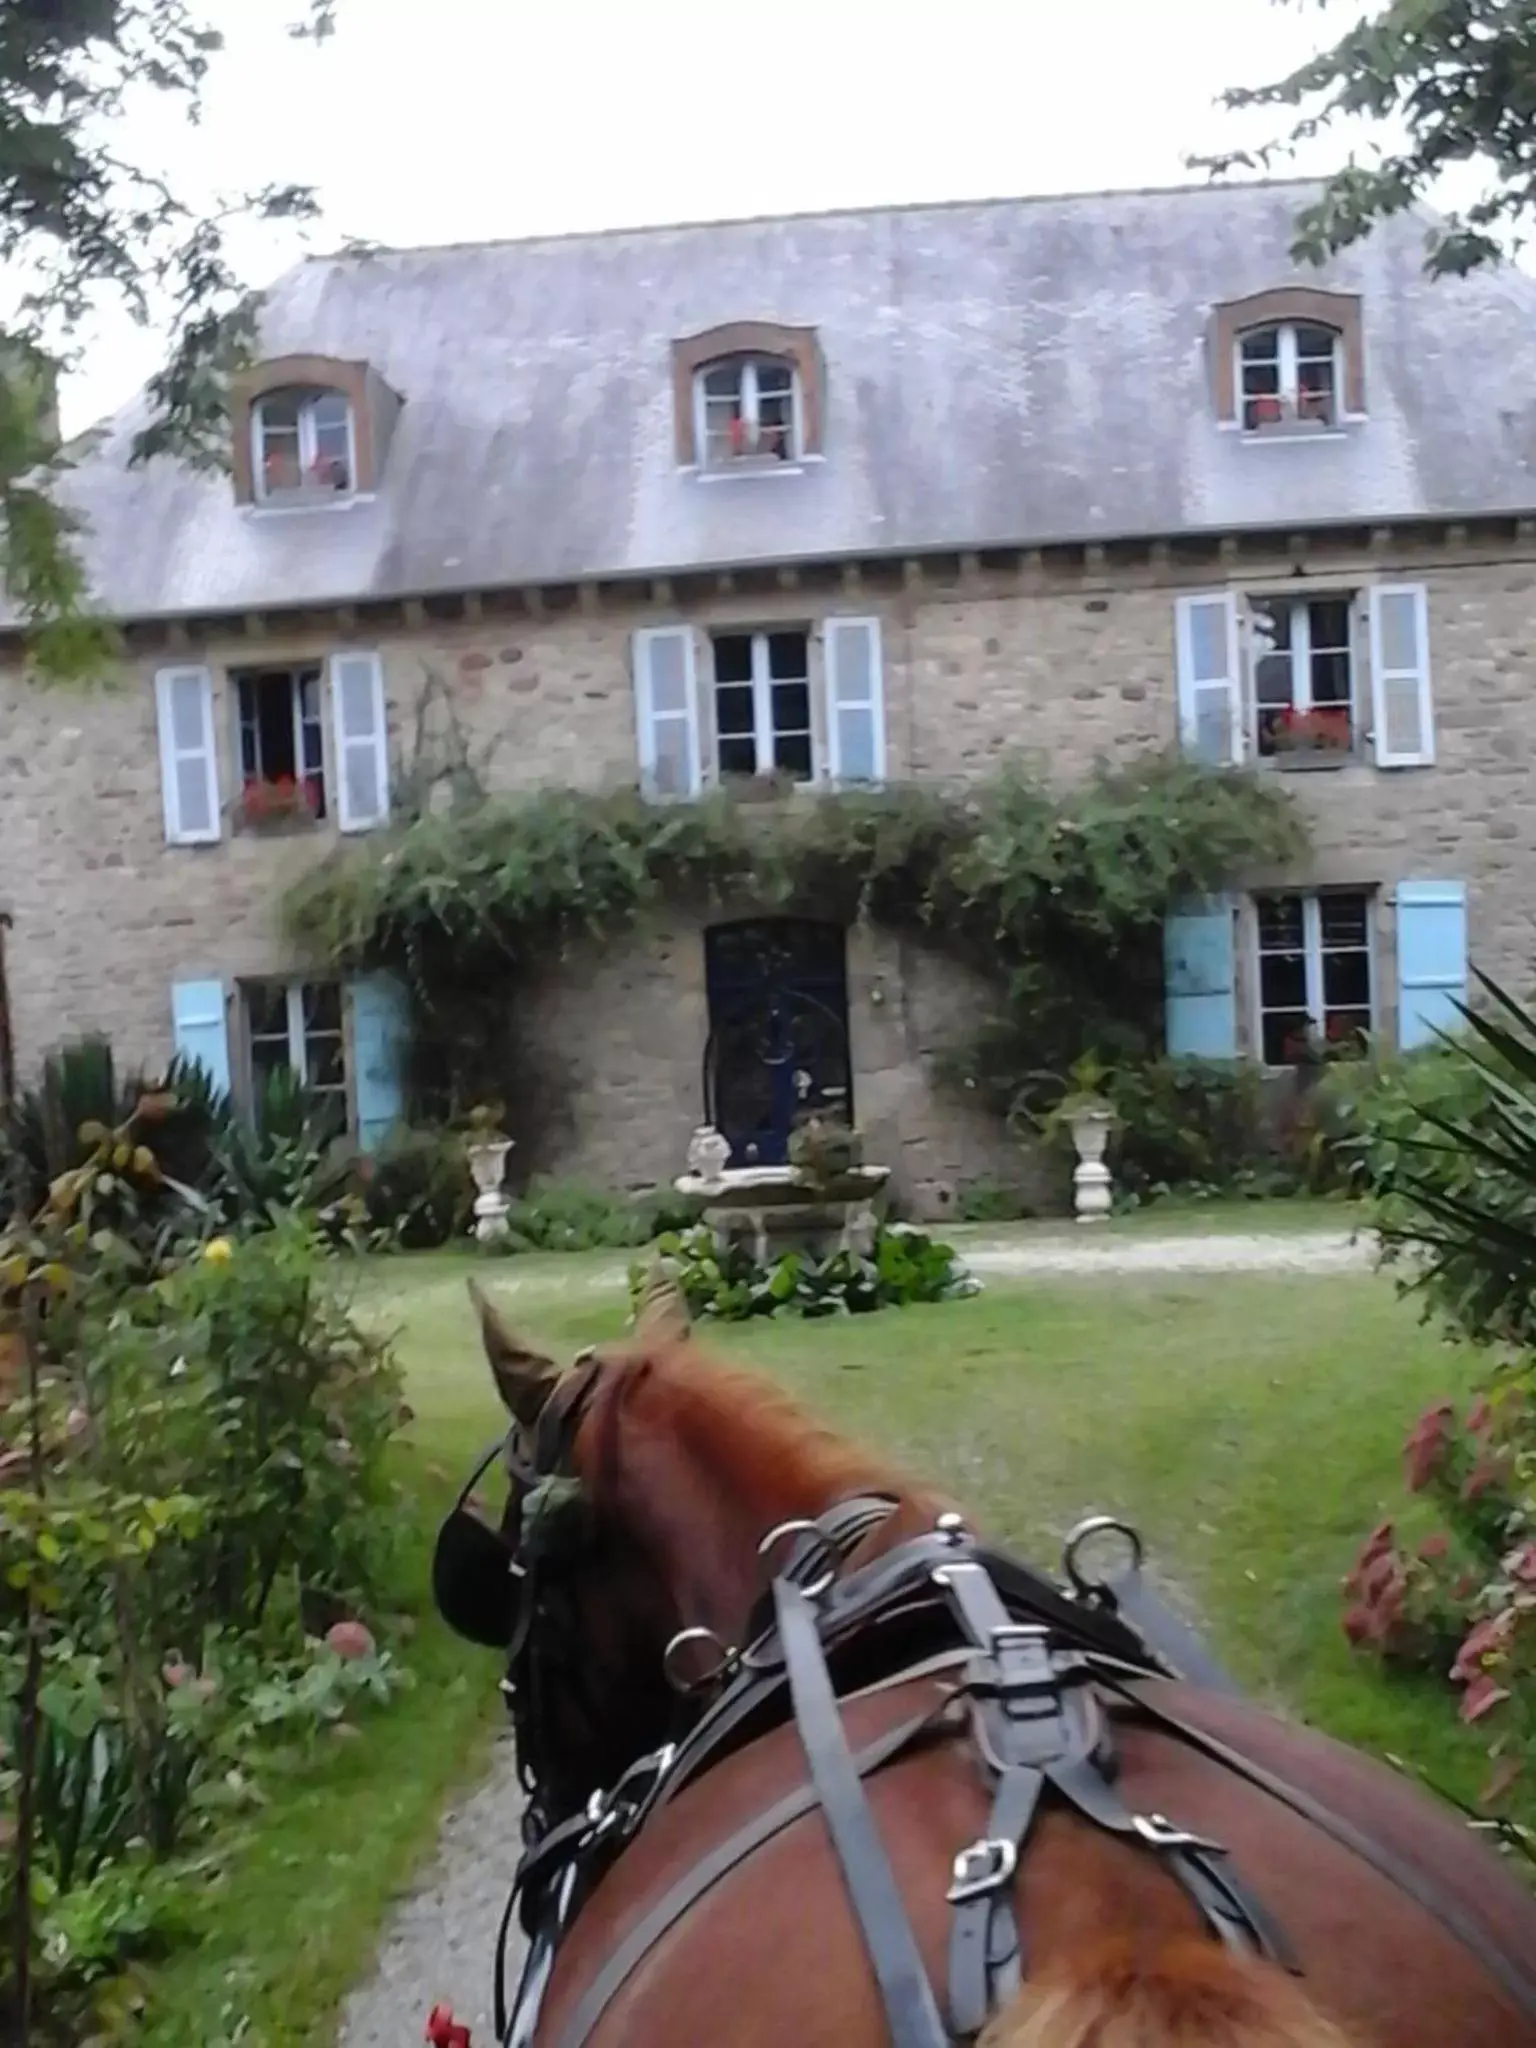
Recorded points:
(661, 1312)
(524, 1378)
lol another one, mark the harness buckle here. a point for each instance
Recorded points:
(1159, 1833)
(983, 1866)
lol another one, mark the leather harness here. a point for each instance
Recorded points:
(1033, 1669)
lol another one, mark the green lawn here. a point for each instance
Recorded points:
(1250, 1425)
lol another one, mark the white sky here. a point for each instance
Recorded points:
(460, 120)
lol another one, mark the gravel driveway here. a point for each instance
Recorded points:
(439, 1944)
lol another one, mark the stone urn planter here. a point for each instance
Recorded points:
(709, 1153)
(485, 1151)
(1089, 1121)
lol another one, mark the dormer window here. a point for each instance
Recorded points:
(1288, 376)
(303, 443)
(747, 409)
(1288, 363)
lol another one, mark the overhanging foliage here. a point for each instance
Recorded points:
(1057, 894)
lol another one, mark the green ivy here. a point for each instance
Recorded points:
(1057, 894)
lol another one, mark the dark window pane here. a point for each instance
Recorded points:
(787, 660)
(1344, 919)
(738, 757)
(1263, 346)
(792, 753)
(724, 381)
(734, 711)
(1330, 678)
(1280, 922)
(322, 1006)
(1285, 1037)
(267, 1008)
(1346, 981)
(1329, 622)
(774, 377)
(1282, 981)
(1348, 1028)
(1314, 341)
(733, 658)
(791, 707)
(323, 1058)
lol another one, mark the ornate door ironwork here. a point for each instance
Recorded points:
(778, 1038)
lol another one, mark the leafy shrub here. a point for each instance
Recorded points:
(417, 1189)
(991, 1201)
(572, 1216)
(727, 1283)
(199, 1434)
(1445, 1144)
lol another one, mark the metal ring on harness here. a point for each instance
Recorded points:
(729, 1659)
(1098, 1525)
(776, 1536)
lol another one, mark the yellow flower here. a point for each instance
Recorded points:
(218, 1251)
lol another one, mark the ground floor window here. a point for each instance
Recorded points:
(1315, 980)
(297, 1027)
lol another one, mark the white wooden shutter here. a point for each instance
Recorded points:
(1401, 705)
(667, 711)
(855, 701)
(1210, 678)
(362, 741)
(189, 763)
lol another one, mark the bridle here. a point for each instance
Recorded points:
(498, 1589)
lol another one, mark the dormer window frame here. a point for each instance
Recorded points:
(750, 369)
(766, 341)
(1281, 307)
(1291, 415)
(309, 398)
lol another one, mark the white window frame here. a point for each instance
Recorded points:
(298, 1041)
(309, 446)
(1299, 609)
(1312, 956)
(748, 367)
(1289, 379)
(762, 701)
(296, 674)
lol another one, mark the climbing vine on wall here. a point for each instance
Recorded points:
(1056, 894)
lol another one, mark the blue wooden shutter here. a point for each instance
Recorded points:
(380, 1030)
(201, 1029)
(1431, 959)
(1200, 982)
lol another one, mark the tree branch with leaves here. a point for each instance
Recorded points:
(1458, 77)
(80, 222)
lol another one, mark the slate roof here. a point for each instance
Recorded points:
(1009, 371)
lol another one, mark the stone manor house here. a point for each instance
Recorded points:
(855, 497)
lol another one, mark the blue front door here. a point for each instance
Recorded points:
(778, 1038)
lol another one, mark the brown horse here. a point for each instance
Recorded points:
(644, 1482)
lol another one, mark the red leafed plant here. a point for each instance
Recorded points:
(1460, 1603)
(1323, 729)
(281, 797)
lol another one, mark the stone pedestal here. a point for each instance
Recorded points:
(1092, 1188)
(488, 1166)
(774, 1210)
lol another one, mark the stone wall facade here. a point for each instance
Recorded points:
(1070, 665)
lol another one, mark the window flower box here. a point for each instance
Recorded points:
(281, 801)
(1319, 738)
(1265, 412)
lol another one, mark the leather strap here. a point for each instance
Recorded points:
(704, 1876)
(879, 1913)
(1505, 1969)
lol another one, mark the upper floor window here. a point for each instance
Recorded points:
(282, 750)
(1289, 376)
(303, 441)
(745, 408)
(763, 705)
(1303, 677)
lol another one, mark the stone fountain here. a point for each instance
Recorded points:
(776, 1209)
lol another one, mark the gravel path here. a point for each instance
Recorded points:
(440, 1942)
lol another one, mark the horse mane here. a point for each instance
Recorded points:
(684, 1438)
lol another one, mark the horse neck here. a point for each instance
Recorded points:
(703, 1463)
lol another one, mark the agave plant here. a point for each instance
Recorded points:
(1453, 1165)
